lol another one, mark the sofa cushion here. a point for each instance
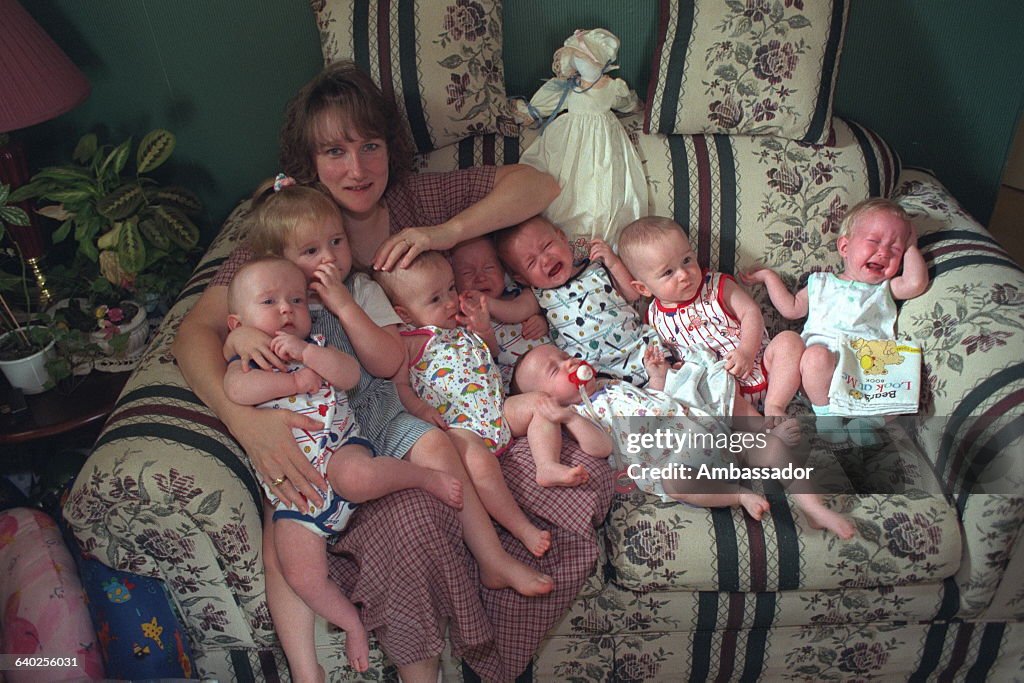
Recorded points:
(440, 60)
(753, 68)
(907, 532)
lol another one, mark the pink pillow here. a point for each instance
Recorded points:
(44, 612)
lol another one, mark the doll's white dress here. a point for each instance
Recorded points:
(587, 149)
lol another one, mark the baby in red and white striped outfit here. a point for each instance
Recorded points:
(694, 307)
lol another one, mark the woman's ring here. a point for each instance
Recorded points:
(279, 481)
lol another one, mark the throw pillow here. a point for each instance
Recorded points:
(748, 67)
(441, 61)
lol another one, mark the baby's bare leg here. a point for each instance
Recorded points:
(293, 618)
(485, 473)
(358, 476)
(746, 418)
(303, 558)
(498, 569)
(817, 365)
(545, 439)
(686, 492)
(777, 454)
(782, 359)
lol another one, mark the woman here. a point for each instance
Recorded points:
(342, 132)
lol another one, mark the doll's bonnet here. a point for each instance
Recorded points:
(596, 45)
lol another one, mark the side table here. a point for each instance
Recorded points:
(54, 423)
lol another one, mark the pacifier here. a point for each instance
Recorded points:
(583, 373)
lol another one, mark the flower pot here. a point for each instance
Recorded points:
(29, 373)
(136, 329)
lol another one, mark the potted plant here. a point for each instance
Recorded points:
(135, 238)
(24, 350)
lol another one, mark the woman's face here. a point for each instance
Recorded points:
(354, 168)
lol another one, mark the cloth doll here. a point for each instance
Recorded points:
(587, 149)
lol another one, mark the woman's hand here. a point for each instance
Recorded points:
(250, 344)
(402, 248)
(268, 441)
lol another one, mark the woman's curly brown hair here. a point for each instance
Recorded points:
(342, 87)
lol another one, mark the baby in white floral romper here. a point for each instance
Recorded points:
(712, 404)
(588, 304)
(450, 369)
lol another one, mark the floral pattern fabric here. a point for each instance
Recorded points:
(440, 60)
(753, 67)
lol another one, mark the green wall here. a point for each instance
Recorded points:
(938, 79)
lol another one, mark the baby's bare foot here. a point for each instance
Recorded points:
(444, 487)
(537, 541)
(755, 505)
(510, 573)
(821, 517)
(357, 648)
(787, 429)
(557, 474)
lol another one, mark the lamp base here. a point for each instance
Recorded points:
(43, 294)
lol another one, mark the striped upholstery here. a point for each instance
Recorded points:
(748, 68)
(441, 61)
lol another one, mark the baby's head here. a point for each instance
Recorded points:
(547, 368)
(536, 253)
(270, 295)
(299, 223)
(873, 237)
(477, 267)
(424, 293)
(658, 254)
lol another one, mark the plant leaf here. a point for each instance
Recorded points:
(131, 252)
(178, 227)
(55, 211)
(123, 202)
(12, 215)
(154, 149)
(85, 148)
(61, 233)
(151, 230)
(177, 197)
(116, 160)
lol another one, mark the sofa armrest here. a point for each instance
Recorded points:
(970, 324)
(167, 492)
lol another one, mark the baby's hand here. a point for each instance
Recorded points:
(252, 346)
(329, 285)
(757, 276)
(429, 414)
(307, 381)
(738, 364)
(535, 327)
(548, 407)
(912, 237)
(655, 362)
(288, 346)
(476, 315)
(600, 251)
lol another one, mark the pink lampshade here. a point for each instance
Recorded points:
(37, 80)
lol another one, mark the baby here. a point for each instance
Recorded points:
(270, 295)
(876, 239)
(587, 304)
(693, 307)
(611, 402)
(451, 369)
(516, 324)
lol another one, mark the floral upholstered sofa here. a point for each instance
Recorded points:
(741, 147)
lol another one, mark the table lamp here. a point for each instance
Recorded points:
(37, 83)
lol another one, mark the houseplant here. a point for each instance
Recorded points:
(134, 237)
(24, 350)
